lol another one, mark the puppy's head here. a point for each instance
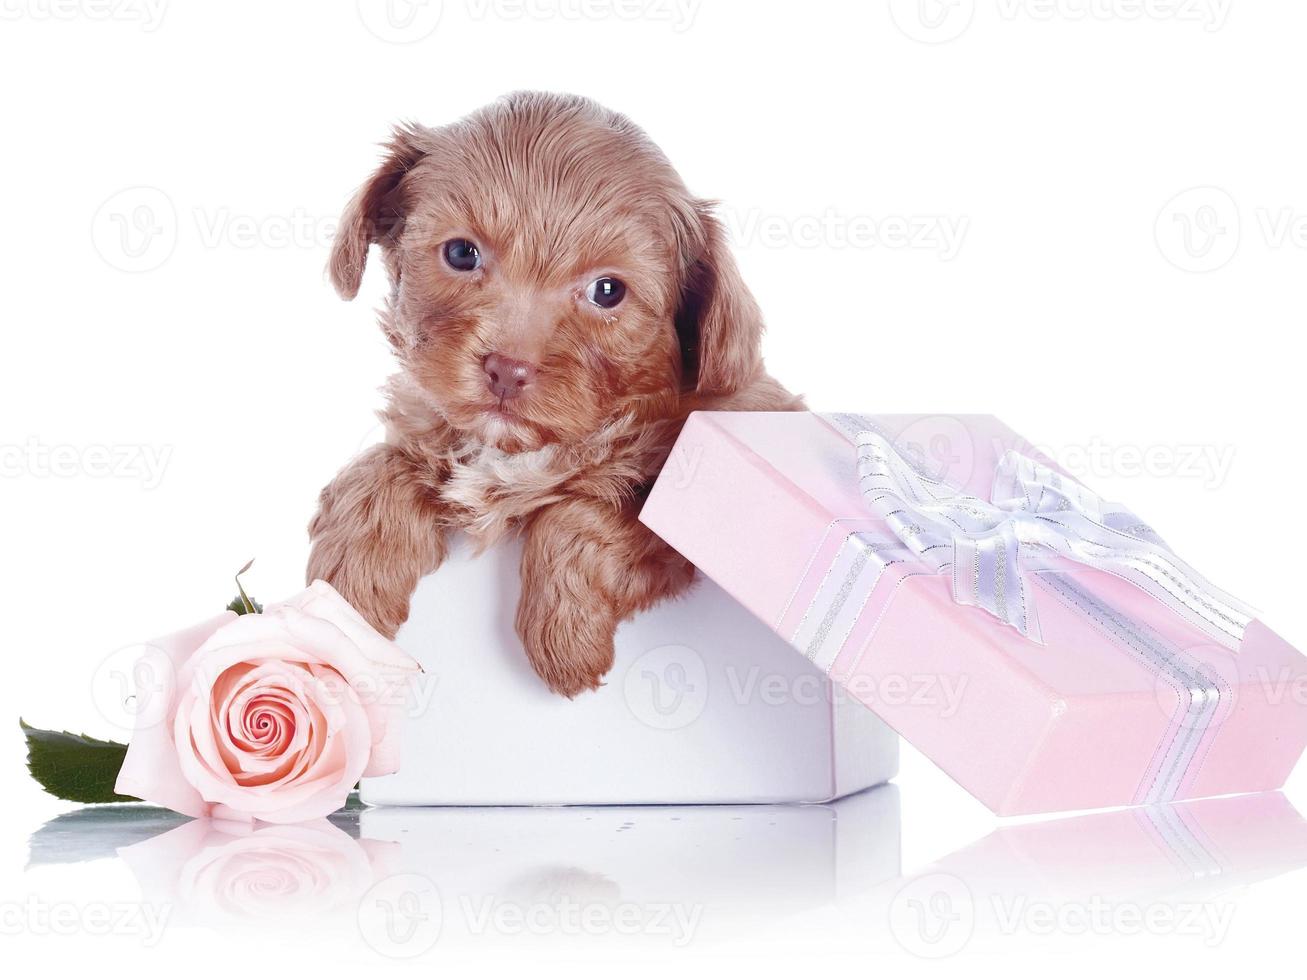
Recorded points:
(549, 273)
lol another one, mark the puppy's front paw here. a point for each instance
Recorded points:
(570, 647)
(358, 573)
(377, 531)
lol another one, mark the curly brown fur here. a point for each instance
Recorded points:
(555, 192)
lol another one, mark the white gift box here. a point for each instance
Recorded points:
(704, 704)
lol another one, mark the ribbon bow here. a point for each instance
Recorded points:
(1033, 511)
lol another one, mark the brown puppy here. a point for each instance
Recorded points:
(559, 303)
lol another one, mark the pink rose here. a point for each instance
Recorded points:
(270, 716)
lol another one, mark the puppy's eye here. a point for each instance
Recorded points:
(606, 292)
(462, 255)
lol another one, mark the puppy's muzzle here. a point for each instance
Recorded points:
(507, 376)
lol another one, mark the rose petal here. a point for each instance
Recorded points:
(151, 769)
(323, 602)
(276, 716)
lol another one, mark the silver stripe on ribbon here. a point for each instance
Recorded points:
(1199, 691)
(852, 425)
(1197, 855)
(840, 597)
(1033, 510)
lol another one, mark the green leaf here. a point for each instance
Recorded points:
(74, 767)
(243, 604)
(238, 606)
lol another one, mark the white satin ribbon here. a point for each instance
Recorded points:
(1033, 512)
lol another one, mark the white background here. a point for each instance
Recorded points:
(1107, 233)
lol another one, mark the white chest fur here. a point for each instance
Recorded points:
(495, 488)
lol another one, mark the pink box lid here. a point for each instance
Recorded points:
(1104, 711)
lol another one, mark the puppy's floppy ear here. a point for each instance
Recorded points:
(375, 214)
(719, 322)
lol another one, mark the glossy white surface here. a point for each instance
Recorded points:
(452, 885)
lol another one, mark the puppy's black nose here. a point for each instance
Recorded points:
(507, 376)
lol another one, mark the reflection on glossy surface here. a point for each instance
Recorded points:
(709, 867)
(668, 873)
(1184, 848)
(398, 880)
(1160, 870)
(218, 873)
(96, 832)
